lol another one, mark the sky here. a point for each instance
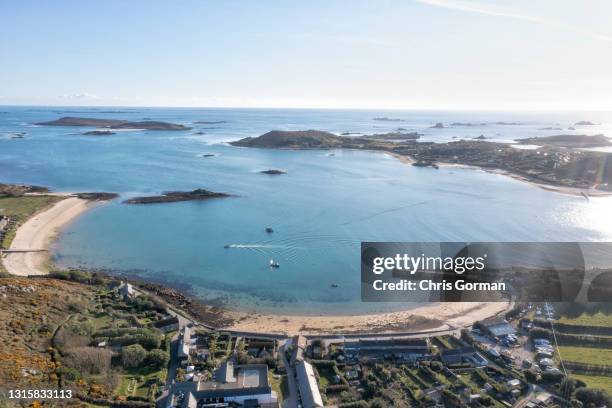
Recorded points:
(405, 54)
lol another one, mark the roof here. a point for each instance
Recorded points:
(225, 373)
(307, 384)
(389, 344)
(463, 354)
(185, 343)
(251, 380)
(498, 326)
(299, 341)
(166, 322)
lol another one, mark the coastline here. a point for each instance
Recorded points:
(433, 317)
(38, 232)
(35, 236)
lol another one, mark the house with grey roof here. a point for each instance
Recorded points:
(404, 348)
(308, 386)
(184, 344)
(234, 385)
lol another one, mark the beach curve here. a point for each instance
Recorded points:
(35, 236)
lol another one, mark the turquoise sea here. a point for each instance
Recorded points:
(326, 204)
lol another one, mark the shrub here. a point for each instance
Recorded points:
(540, 333)
(133, 356)
(157, 358)
(597, 398)
(90, 360)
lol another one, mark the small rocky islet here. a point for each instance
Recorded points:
(176, 196)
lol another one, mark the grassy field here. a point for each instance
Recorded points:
(597, 319)
(586, 355)
(593, 381)
(21, 208)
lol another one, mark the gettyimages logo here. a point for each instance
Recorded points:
(479, 271)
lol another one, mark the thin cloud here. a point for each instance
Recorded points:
(479, 8)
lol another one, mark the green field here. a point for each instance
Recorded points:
(586, 355)
(21, 208)
(597, 319)
(594, 381)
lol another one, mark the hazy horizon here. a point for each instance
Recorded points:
(416, 55)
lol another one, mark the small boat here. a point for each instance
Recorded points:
(269, 230)
(334, 285)
(227, 246)
(274, 264)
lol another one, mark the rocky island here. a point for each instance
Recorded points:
(273, 172)
(317, 139)
(570, 141)
(114, 123)
(174, 196)
(386, 119)
(550, 165)
(97, 196)
(98, 133)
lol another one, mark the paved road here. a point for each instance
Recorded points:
(173, 364)
(292, 400)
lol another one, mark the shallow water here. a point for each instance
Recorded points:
(320, 210)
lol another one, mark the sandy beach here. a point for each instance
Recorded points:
(434, 317)
(37, 233)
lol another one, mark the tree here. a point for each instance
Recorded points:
(593, 397)
(133, 355)
(157, 358)
(531, 376)
(540, 333)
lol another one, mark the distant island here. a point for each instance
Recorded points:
(558, 166)
(467, 124)
(98, 133)
(386, 119)
(571, 141)
(273, 172)
(585, 123)
(209, 122)
(114, 123)
(174, 196)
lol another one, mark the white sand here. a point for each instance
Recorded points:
(37, 233)
(451, 315)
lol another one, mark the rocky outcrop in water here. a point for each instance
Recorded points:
(273, 172)
(97, 196)
(386, 119)
(98, 133)
(174, 196)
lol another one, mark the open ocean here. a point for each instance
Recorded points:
(320, 210)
